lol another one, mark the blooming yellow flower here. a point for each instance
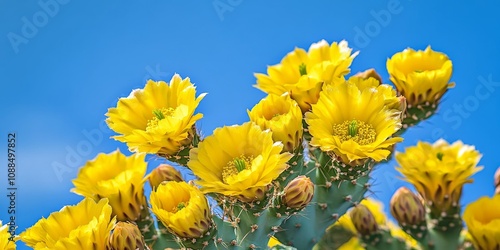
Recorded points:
(282, 116)
(182, 208)
(84, 226)
(116, 177)
(439, 171)
(157, 119)
(482, 218)
(302, 74)
(420, 76)
(354, 122)
(5, 235)
(239, 160)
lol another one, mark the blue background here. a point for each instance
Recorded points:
(59, 77)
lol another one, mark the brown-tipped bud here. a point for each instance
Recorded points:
(299, 192)
(363, 220)
(163, 172)
(497, 181)
(369, 73)
(126, 236)
(407, 208)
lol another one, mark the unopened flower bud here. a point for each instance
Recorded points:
(299, 192)
(407, 208)
(163, 172)
(363, 220)
(126, 236)
(369, 73)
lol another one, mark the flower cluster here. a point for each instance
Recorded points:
(297, 170)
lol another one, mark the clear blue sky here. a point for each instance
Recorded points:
(64, 62)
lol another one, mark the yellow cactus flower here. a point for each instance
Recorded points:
(158, 119)
(439, 171)
(282, 116)
(116, 177)
(84, 226)
(163, 172)
(363, 130)
(420, 76)
(126, 236)
(482, 218)
(182, 208)
(239, 161)
(7, 242)
(302, 74)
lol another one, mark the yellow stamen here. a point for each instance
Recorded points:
(235, 166)
(355, 130)
(159, 114)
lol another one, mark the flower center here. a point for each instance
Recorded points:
(159, 114)
(179, 207)
(302, 69)
(440, 156)
(355, 130)
(235, 166)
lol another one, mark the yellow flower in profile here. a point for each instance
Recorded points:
(302, 74)
(439, 171)
(5, 235)
(84, 226)
(282, 116)
(157, 119)
(182, 208)
(354, 122)
(420, 76)
(117, 177)
(239, 160)
(482, 218)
